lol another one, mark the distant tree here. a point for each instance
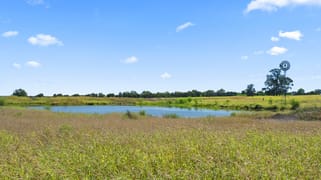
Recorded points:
(300, 91)
(131, 94)
(146, 94)
(250, 90)
(110, 95)
(40, 95)
(315, 92)
(209, 93)
(260, 93)
(276, 83)
(57, 95)
(92, 95)
(101, 95)
(163, 94)
(221, 92)
(20, 93)
(75, 95)
(196, 93)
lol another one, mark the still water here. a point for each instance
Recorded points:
(154, 111)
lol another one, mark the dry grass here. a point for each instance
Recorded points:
(26, 121)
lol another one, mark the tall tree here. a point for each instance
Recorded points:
(276, 83)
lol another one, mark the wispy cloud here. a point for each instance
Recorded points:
(131, 60)
(166, 75)
(35, 2)
(33, 64)
(294, 35)
(275, 51)
(316, 77)
(184, 26)
(16, 65)
(274, 5)
(44, 40)
(244, 57)
(275, 39)
(259, 52)
(9, 34)
(318, 29)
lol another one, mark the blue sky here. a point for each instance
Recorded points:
(59, 46)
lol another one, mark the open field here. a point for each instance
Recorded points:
(42, 145)
(273, 103)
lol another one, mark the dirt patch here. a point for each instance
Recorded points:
(285, 117)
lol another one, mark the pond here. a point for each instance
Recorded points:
(154, 111)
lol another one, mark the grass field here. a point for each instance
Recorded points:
(45, 145)
(271, 103)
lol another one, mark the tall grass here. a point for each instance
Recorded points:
(45, 145)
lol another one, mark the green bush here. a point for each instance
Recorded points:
(171, 116)
(142, 113)
(2, 102)
(294, 104)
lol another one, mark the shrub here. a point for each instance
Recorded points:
(142, 113)
(272, 108)
(40, 95)
(2, 102)
(48, 108)
(294, 104)
(171, 116)
(130, 115)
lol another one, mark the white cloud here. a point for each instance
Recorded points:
(166, 76)
(184, 26)
(16, 65)
(274, 5)
(35, 2)
(10, 34)
(295, 35)
(275, 39)
(318, 29)
(275, 51)
(244, 57)
(44, 40)
(33, 64)
(131, 60)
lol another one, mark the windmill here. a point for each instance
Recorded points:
(285, 66)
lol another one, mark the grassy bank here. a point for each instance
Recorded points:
(42, 145)
(272, 103)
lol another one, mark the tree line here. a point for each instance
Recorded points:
(249, 91)
(276, 84)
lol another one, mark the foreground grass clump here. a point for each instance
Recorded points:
(45, 145)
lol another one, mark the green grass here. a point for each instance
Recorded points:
(45, 145)
(255, 103)
(193, 154)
